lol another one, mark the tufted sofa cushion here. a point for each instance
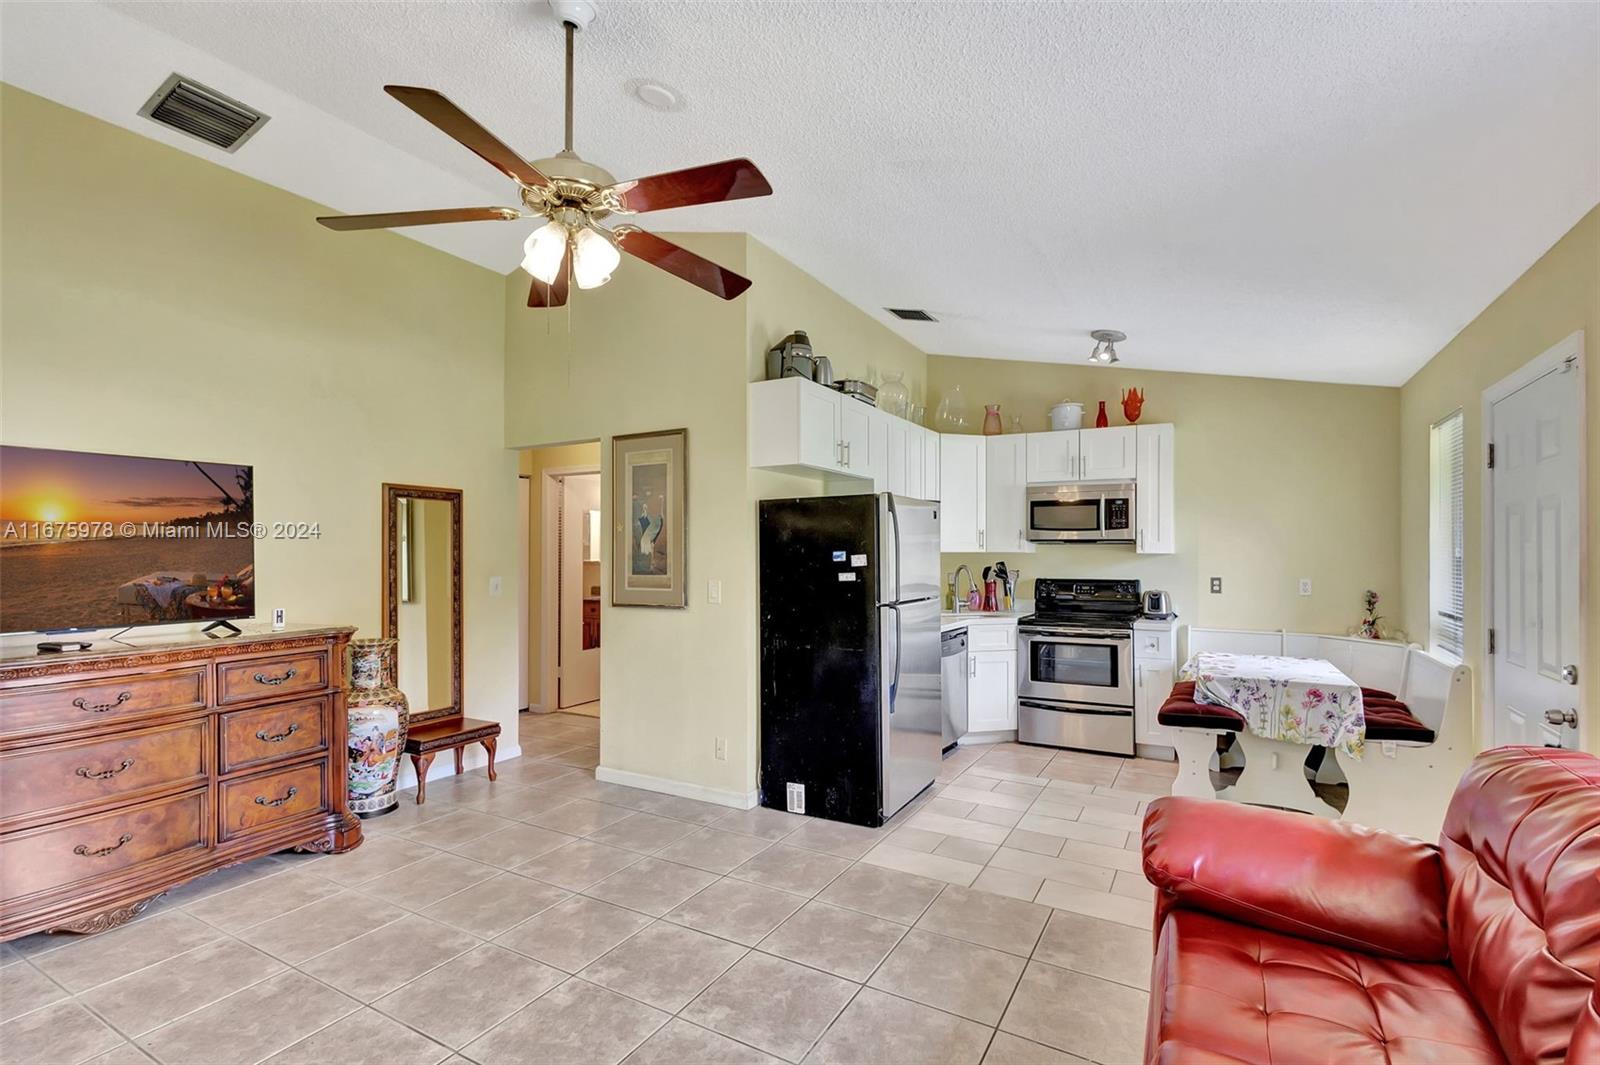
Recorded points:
(1231, 992)
(1521, 852)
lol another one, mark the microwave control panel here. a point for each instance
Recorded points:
(1116, 514)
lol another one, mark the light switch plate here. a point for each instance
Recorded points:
(713, 591)
(494, 585)
(1305, 585)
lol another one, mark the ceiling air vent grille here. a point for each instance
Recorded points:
(204, 113)
(910, 314)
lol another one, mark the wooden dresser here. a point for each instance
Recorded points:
(127, 770)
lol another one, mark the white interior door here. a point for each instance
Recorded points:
(1538, 437)
(578, 569)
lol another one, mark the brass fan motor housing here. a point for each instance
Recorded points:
(575, 184)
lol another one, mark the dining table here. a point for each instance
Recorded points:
(1291, 706)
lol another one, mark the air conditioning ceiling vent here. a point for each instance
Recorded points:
(908, 314)
(202, 112)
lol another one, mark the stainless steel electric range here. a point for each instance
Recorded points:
(1075, 674)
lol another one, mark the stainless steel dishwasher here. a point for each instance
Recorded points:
(953, 685)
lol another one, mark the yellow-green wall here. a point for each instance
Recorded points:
(1557, 296)
(153, 303)
(1276, 480)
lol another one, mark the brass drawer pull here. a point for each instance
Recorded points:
(104, 774)
(262, 678)
(83, 851)
(280, 737)
(262, 800)
(100, 708)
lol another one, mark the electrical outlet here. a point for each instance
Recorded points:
(494, 585)
(1305, 585)
(797, 798)
(719, 749)
(713, 591)
(1216, 585)
(278, 622)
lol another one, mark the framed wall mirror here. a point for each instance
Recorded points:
(422, 595)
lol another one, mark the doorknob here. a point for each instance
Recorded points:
(1569, 674)
(1568, 718)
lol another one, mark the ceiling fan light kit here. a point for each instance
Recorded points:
(574, 196)
(1105, 350)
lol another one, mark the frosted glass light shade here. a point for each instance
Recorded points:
(594, 257)
(543, 249)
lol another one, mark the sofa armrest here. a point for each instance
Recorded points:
(1336, 883)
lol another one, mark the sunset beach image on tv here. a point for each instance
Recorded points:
(93, 541)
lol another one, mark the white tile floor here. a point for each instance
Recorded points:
(548, 917)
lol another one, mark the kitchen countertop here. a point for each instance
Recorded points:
(949, 620)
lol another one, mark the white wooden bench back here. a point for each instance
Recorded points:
(1427, 685)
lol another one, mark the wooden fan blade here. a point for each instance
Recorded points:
(680, 262)
(555, 293)
(419, 218)
(732, 179)
(456, 123)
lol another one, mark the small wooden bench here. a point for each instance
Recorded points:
(427, 739)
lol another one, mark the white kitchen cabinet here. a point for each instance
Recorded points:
(1107, 454)
(1082, 455)
(856, 426)
(962, 492)
(793, 422)
(1154, 513)
(930, 463)
(991, 691)
(1154, 669)
(907, 461)
(1006, 494)
(1052, 457)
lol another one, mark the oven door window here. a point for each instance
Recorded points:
(1053, 515)
(1088, 665)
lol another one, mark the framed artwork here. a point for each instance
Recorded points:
(649, 543)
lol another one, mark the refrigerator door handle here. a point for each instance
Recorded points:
(894, 519)
(894, 684)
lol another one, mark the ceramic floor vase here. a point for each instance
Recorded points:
(378, 717)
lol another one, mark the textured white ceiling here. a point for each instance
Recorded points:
(1324, 192)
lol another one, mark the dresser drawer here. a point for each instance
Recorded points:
(265, 799)
(94, 847)
(92, 703)
(271, 733)
(250, 679)
(68, 775)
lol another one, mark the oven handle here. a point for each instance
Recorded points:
(1074, 634)
(1060, 708)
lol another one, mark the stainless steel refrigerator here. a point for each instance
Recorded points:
(849, 691)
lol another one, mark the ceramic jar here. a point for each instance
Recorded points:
(378, 715)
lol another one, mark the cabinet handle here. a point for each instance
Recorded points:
(82, 850)
(262, 800)
(972, 667)
(100, 708)
(289, 674)
(104, 774)
(280, 737)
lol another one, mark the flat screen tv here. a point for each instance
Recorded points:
(93, 541)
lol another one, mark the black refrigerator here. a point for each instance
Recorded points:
(850, 709)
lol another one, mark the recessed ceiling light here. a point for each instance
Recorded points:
(656, 96)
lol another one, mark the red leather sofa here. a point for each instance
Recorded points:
(1282, 937)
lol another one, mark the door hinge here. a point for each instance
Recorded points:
(1491, 641)
(1491, 456)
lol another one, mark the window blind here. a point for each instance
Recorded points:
(1447, 593)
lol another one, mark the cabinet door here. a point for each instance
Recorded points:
(961, 493)
(1052, 457)
(1154, 513)
(855, 433)
(1107, 454)
(930, 463)
(904, 459)
(1152, 685)
(819, 429)
(992, 691)
(1006, 494)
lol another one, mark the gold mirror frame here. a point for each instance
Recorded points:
(392, 494)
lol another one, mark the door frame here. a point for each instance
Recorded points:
(1548, 361)
(549, 614)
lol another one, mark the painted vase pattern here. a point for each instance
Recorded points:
(378, 715)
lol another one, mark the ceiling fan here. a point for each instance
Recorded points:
(574, 196)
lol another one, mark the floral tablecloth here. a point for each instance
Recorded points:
(1296, 700)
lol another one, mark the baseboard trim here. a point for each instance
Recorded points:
(735, 799)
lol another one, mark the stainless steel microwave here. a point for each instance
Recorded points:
(1081, 513)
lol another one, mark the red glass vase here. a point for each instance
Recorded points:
(1100, 419)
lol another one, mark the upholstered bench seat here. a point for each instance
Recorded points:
(1390, 719)
(1387, 717)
